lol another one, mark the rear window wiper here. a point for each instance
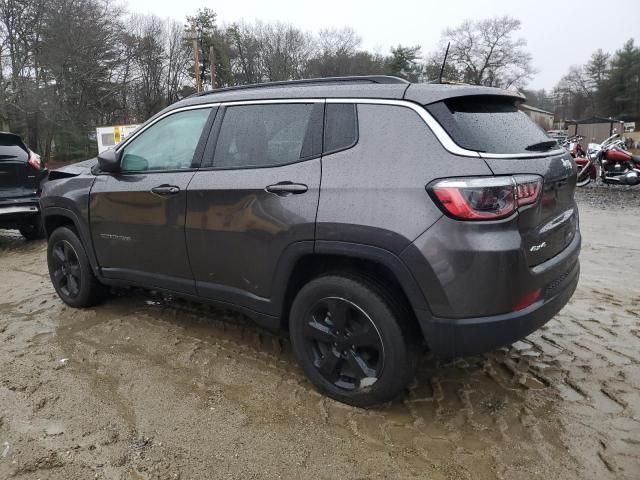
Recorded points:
(542, 146)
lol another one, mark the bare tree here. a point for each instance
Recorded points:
(149, 62)
(285, 51)
(486, 53)
(336, 53)
(334, 42)
(245, 52)
(178, 58)
(20, 28)
(577, 83)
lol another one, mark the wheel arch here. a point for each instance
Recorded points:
(56, 217)
(301, 264)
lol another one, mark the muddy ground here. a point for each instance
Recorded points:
(144, 387)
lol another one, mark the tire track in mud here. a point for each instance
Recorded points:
(607, 335)
(447, 401)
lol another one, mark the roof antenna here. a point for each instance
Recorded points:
(444, 62)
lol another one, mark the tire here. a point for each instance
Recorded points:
(70, 271)
(33, 230)
(372, 360)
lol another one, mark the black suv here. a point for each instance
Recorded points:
(20, 175)
(364, 215)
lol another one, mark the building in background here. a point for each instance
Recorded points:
(595, 129)
(543, 118)
(108, 137)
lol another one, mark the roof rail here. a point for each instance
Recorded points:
(380, 79)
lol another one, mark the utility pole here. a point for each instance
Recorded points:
(196, 58)
(212, 66)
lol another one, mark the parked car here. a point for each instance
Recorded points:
(365, 216)
(20, 175)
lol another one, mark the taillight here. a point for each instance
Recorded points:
(34, 161)
(528, 188)
(486, 198)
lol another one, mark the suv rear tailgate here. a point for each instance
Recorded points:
(494, 128)
(548, 226)
(17, 178)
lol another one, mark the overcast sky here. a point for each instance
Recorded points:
(559, 33)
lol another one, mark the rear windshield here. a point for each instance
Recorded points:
(10, 151)
(490, 124)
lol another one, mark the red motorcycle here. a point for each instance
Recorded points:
(611, 162)
(573, 145)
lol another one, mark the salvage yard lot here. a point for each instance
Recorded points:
(146, 387)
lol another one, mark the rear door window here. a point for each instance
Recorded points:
(490, 124)
(268, 135)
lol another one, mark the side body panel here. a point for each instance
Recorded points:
(138, 235)
(374, 193)
(237, 232)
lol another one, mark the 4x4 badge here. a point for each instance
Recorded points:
(535, 248)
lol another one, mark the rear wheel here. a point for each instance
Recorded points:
(34, 230)
(349, 339)
(70, 270)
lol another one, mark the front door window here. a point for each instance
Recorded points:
(168, 144)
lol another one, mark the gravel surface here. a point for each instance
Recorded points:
(609, 196)
(145, 387)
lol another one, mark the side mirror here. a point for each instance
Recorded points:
(134, 163)
(109, 161)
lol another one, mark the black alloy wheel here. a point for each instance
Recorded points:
(352, 339)
(70, 271)
(66, 268)
(345, 344)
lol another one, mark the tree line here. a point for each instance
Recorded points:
(607, 85)
(67, 66)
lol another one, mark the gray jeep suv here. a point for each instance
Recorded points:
(364, 215)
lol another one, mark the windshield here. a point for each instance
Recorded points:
(490, 124)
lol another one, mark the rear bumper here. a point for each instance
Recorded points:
(17, 211)
(469, 336)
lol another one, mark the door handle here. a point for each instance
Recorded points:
(287, 188)
(165, 190)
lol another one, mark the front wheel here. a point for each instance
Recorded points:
(350, 340)
(582, 182)
(70, 270)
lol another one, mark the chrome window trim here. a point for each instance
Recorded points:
(135, 134)
(426, 117)
(440, 133)
(443, 137)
